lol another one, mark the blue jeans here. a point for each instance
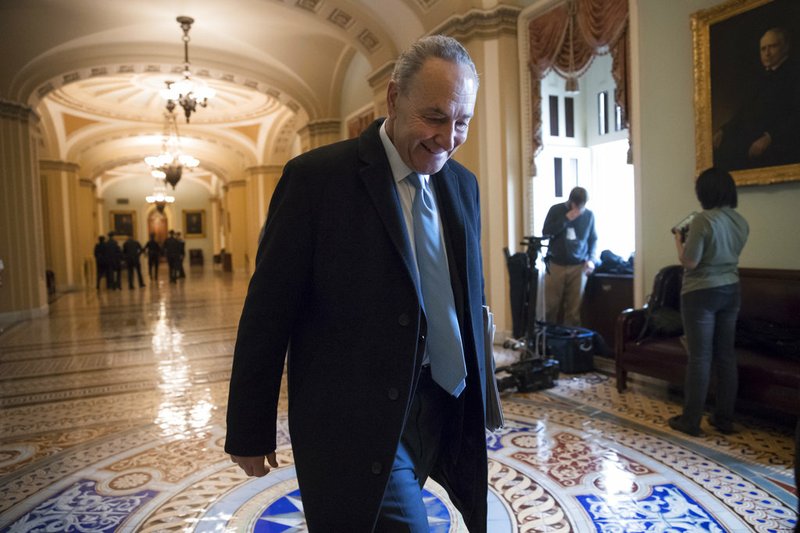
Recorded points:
(709, 322)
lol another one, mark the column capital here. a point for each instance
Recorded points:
(263, 169)
(379, 78)
(60, 166)
(331, 126)
(15, 111)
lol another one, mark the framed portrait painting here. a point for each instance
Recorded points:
(194, 223)
(747, 89)
(123, 223)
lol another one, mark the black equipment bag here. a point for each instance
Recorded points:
(572, 347)
(663, 310)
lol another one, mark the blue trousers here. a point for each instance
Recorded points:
(709, 322)
(402, 509)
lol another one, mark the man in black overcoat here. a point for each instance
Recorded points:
(336, 281)
(131, 250)
(100, 259)
(113, 263)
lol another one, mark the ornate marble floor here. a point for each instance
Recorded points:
(112, 419)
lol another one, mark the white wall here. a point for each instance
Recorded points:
(356, 92)
(664, 150)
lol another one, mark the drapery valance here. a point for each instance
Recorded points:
(598, 27)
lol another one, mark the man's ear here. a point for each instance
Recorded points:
(391, 97)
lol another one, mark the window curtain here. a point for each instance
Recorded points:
(598, 27)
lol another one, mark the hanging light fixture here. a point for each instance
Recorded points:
(187, 92)
(160, 196)
(169, 164)
(571, 85)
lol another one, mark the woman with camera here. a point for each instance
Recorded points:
(710, 301)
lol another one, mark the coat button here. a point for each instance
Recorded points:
(376, 468)
(393, 393)
(404, 320)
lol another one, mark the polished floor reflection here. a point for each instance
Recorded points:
(112, 419)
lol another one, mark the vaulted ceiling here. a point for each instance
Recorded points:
(93, 69)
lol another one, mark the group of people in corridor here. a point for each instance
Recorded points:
(110, 258)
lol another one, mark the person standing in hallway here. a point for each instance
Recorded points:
(100, 260)
(172, 249)
(570, 257)
(153, 250)
(710, 301)
(131, 250)
(113, 263)
(181, 255)
(370, 272)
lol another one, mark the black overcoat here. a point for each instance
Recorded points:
(334, 283)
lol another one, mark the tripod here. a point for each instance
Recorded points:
(532, 372)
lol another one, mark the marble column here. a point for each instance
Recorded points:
(494, 148)
(60, 199)
(23, 287)
(236, 222)
(217, 228)
(261, 183)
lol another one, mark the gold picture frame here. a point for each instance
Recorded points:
(727, 63)
(194, 223)
(123, 223)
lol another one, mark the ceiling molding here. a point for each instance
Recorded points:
(481, 24)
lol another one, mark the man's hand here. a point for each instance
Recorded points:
(588, 267)
(255, 466)
(574, 212)
(759, 146)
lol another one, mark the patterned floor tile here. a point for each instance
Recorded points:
(112, 419)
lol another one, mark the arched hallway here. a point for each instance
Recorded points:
(112, 419)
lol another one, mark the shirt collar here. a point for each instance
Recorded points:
(399, 169)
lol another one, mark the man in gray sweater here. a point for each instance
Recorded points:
(570, 257)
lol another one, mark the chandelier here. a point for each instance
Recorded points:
(160, 196)
(169, 164)
(186, 92)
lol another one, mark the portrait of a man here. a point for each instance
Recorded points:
(122, 223)
(193, 223)
(755, 88)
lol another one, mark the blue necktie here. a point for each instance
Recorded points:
(444, 347)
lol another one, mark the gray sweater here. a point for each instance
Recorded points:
(571, 241)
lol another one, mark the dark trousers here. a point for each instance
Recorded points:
(112, 277)
(101, 271)
(152, 266)
(134, 265)
(421, 444)
(174, 267)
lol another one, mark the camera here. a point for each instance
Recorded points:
(682, 227)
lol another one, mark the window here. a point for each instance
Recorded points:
(558, 177)
(602, 114)
(569, 116)
(617, 118)
(553, 115)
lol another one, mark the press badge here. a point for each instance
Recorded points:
(571, 234)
